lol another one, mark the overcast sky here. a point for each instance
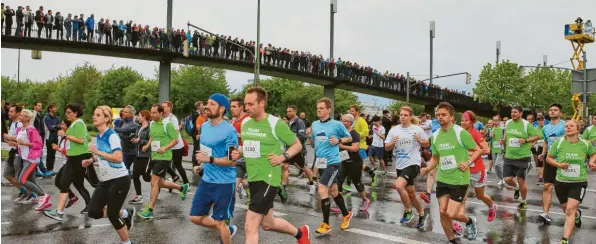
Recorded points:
(385, 34)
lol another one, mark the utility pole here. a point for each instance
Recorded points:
(432, 36)
(408, 87)
(257, 46)
(544, 60)
(585, 100)
(498, 51)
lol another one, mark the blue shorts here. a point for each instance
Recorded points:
(376, 152)
(362, 153)
(221, 196)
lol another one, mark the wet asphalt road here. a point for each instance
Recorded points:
(380, 224)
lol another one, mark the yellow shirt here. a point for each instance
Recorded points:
(361, 127)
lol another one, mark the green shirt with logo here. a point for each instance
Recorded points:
(259, 139)
(575, 155)
(452, 150)
(590, 134)
(161, 136)
(514, 131)
(77, 129)
(496, 146)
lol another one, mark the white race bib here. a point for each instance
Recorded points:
(572, 171)
(321, 163)
(251, 149)
(497, 144)
(206, 150)
(343, 155)
(405, 142)
(67, 145)
(155, 145)
(514, 142)
(448, 162)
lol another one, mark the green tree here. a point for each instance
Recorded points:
(500, 85)
(192, 83)
(142, 94)
(395, 105)
(111, 85)
(547, 86)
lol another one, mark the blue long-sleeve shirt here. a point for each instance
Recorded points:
(90, 23)
(53, 125)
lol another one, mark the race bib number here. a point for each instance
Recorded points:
(251, 149)
(572, 171)
(540, 143)
(206, 150)
(514, 142)
(321, 163)
(67, 145)
(497, 144)
(448, 162)
(343, 155)
(405, 142)
(155, 145)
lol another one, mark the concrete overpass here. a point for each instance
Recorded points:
(165, 58)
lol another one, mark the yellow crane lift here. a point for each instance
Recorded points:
(578, 33)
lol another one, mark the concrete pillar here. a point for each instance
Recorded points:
(329, 92)
(164, 80)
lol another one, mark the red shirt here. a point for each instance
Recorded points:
(478, 138)
(237, 125)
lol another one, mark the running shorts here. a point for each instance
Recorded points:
(514, 168)
(409, 173)
(262, 196)
(330, 175)
(220, 196)
(549, 174)
(566, 190)
(160, 167)
(455, 192)
(478, 179)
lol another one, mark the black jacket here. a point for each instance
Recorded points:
(126, 132)
(143, 135)
(299, 128)
(39, 125)
(20, 16)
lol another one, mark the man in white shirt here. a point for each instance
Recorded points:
(178, 149)
(377, 149)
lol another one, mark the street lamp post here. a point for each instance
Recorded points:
(408, 87)
(333, 10)
(544, 60)
(431, 36)
(585, 100)
(19, 67)
(257, 45)
(498, 51)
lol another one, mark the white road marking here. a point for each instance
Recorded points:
(590, 190)
(244, 206)
(5, 223)
(384, 236)
(532, 210)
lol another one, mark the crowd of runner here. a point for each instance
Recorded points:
(248, 156)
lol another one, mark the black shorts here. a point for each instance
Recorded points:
(409, 173)
(536, 152)
(549, 174)
(511, 168)
(240, 168)
(540, 163)
(297, 160)
(262, 196)
(489, 156)
(455, 192)
(575, 190)
(160, 167)
(330, 175)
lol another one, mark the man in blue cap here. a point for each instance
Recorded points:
(217, 186)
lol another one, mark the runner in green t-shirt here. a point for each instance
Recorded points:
(590, 132)
(519, 136)
(569, 154)
(496, 134)
(162, 137)
(264, 139)
(538, 146)
(450, 149)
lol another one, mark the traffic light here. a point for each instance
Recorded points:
(468, 78)
(185, 48)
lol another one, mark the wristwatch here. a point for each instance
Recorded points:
(286, 156)
(211, 160)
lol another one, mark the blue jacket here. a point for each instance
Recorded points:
(53, 125)
(90, 23)
(75, 24)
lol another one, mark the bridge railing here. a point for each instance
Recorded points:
(217, 47)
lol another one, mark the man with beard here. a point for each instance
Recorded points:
(552, 132)
(216, 189)
(238, 115)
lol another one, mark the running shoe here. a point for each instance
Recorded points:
(240, 191)
(522, 205)
(540, 181)
(20, 198)
(146, 213)
(564, 241)
(175, 178)
(137, 200)
(44, 203)
(324, 228)
(85, 211)
(501, 182)
(130, 219)
(492, 212)
(578, 218)
(516, 194)
(283, 195)
(313, 189)
(457, 230)
(39, 174)
(335, 210)
(345, 220)
(31, 199)
(49, 173)
(71, 201)
(407, 217)
(472, 231)
(422, 221)
(425, 196)
(305, 238)
(54, 215)
(384, 173)
(489, 172)
(184, 191)
(347, 188)
(374, 179)
(545, 218)
(364, 205)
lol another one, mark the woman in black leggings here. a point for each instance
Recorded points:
(141, 166)
(351, 165)
(114, 182)
(76, 150)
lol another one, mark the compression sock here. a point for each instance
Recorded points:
(326, 206)
(339, 200)
(299, 234)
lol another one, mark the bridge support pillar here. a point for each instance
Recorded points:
(165, 68)
(329, 92)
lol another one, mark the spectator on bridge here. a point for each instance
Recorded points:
(39, 15)
(135, 35)
(68, 26)
(75, 28)
(121, 32)
(19, 18)
(100, 30)
(115, 35)
(90, 24)
(49, 24)
(8, 13)
(29, 19)
(3, 10)
(107, 30)
(59, 25)
(128, 34)
(81, 27)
